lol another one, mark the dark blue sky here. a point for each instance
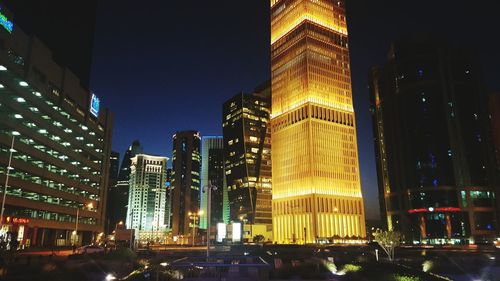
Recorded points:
(163, 66)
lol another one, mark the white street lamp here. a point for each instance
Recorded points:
(209, 189)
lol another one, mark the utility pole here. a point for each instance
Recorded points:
(6, 181)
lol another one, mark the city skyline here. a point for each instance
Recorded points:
(158, 76)
(249, 140)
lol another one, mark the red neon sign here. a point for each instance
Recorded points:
(15, 220)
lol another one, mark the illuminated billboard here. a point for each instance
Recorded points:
(236, 232)
(221, 231)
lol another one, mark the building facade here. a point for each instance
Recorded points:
(66, 28)
(168, 204)
(494, 110)
(247, 160)
(316, 182)
(186, 164)
(57, 187)
(435, 163)
(212, 173)
(147, 197)
(112, 217)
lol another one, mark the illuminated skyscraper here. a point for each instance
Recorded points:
(247, 159)
(316, 183)
(147, 196)
(212, 172)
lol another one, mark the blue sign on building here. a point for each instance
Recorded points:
(6, 23)
(94, 105)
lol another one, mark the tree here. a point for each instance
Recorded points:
(388, 241)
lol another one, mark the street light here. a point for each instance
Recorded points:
(195, 217)
(75, 232)
(209, 189)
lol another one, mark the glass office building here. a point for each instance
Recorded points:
(435, 160)
(247, 159)
(185, 186)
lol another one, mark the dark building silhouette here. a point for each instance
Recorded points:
(247, 157)
(112, 206)
(119, 195)
(186, 164)
(65, 27)
(494, 108)
(168, 203)
(436, 172)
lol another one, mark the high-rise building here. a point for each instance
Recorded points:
(121, 189)
(60, 163)
(186, 162)
(168, 204)
(494, 109)
(212, 173)
(316, 181)
(66, 28)
(435, 162)
(147, 196)
(112, 208)
(114, 166)
(247, 160)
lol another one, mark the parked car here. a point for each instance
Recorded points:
(90, 249)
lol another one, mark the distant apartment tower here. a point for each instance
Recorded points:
(435, 162)
(247, 157)
(147, 196)
(212, 173)
(120, 194)
(60, 161)
(112, 206)
(186, 163)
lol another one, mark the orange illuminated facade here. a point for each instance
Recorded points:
(316, 184)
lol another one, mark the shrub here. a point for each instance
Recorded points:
(122, 254)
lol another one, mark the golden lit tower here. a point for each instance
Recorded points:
(316, 185)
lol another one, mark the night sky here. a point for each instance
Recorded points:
(163, 66)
